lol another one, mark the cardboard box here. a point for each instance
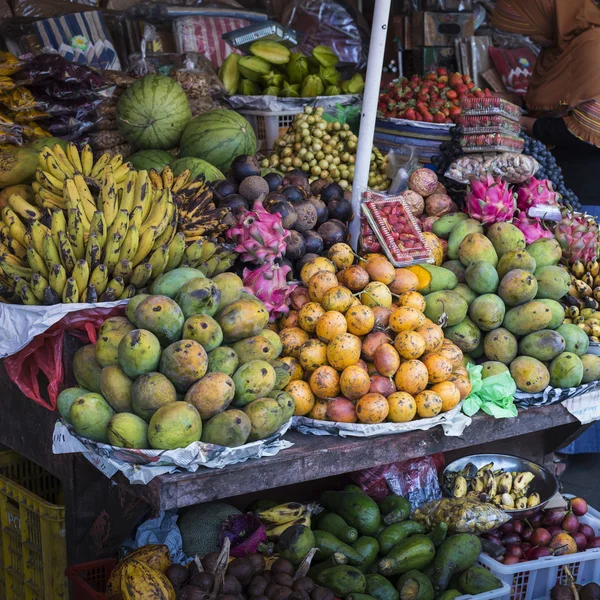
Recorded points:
(440, 29)
(428, 59)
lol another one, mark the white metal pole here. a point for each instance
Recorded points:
(381, 15)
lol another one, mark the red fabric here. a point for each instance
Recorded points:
(44, 353)
(515, 67)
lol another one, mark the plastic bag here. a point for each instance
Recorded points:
(245, 532)
(416, 480)
(138, 65)
(493, 395)
(54, 66)
(401, 163)
(198, 78)
(462, 515)
(327, 23)
(45, 353)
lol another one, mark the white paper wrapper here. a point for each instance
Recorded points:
(275, 104)
(453, 422)
(20, 324)
(141, 466)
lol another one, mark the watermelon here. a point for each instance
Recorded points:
(218, 136)
(197, 166)
(153, 112)
(151, 159)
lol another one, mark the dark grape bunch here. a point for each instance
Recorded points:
(549, 169)
(450, 151)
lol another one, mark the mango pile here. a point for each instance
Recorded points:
(362, 347)
(162, 377)
(498, 301)
(273, 70)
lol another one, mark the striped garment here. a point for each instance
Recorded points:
(81, 38)
(583, 121)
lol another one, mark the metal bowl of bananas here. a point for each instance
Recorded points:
(516, 485)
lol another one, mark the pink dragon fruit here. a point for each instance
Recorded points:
(490, 201)
(578, 236)
(536, 192)
(259, 235)
(531, 227)
(268, 283)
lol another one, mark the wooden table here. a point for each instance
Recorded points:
(101, 512)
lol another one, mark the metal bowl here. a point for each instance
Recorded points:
(545, 484)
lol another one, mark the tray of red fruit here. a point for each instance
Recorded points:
(396, 229)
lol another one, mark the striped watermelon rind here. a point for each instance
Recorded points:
(197, 166)
(151, 159)
(218, 137)
(153, 112)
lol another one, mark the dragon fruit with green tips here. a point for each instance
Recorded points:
(577, 235)
(259, 236)
(536, 192)
(269, 284)
(531, 227)
(490, 201)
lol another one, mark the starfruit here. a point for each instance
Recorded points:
(273, 79)
(273, 52)
(248, 88)
(253, 67)
(271, 90)
(356, 85)
(229, 73)
(329, 75)
(312, 86)
(297, 68)
(325, 56)
(290, 90)
(332, 90)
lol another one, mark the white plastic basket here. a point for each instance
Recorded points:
(268, 126)
(499, 593)
(534, 579)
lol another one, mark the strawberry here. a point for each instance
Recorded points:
(452, 94)
(428, 118)
(455, 111)
(445, 111)
(470, 85)
(442, 71)
(461, 88)
(441, 85)
(439, 117)
(479, 93)
(418, 117)
(410, 114)
(455, 79)
(488, 93)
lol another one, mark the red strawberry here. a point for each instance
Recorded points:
(439, 117)
(455, 112)
(441, 71)
(452, 94)
(455, 79)
(410, 114)
(428, 118)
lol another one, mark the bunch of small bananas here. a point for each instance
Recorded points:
(279, 518)
(77, 247)
(508, 490)
(197, 214)
(582, 303)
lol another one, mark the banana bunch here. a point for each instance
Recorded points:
(506, 489)
(279, 518)
(198, 216)
(582, 303)
(78, 247)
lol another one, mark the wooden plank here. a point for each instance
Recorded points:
(318, 457)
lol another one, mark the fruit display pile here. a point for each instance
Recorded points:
(273, 70)
(433, 98)
(162, 378)
(324, 150)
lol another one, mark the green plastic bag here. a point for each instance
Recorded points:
(493, 395)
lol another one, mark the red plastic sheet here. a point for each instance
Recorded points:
(45, 353)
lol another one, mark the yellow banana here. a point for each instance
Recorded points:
(128, 196)
(38, 232)
(101, 163)
(98, 226)
(166, 236)
(19, 282)
(116, 161)
(87, 200)
(62, 160)
(23, 208)
(275, 532)
(36, 262)
(193, 253)
(141, 275)
(176, 251)
(123, 270)
(155, 179)
(81, 274)
(117, 284)
(53, 168)
(28, 297)
(11, 269)
(122, 171)
(158, 259)
(209, 248)
(58, 223)
(93, 251)
(90, 295)
(42, 155)
(66, 252)
(87, 160)
(120, 224)
(50, 200)
(108, 196)
(38, 285)
(157, 214)
(180, 181)
(51, 254)
(76, 233)
(167, 177)
(57, 279)
(282, 513)
(130, 244)
(128, 292)
(112, 250)
(70, 294)
(49, 181)
(145, 246)
(73, 157)
(99, 278)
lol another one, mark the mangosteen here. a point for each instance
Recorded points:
(298, 178)
(274, 197)
(203, 580)
(321, 208)
(224, 188)
(341, 210)
(332, 192)
(191, 592)
(293, 193)
(314, 242)
(348, 195)
(244, 166)
(235, 202)
(274, 180)
(300, 263)
(295, 246)
(287, 212)
(178, 575)
(318, 185)
(332, 232)
(284, 262)
(253, 188)
(307, 216)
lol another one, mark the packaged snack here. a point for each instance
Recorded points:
(492, 142)
(491, 105)
(488, 124)
(510, 166)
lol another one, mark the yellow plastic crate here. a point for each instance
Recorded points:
(33, 551)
